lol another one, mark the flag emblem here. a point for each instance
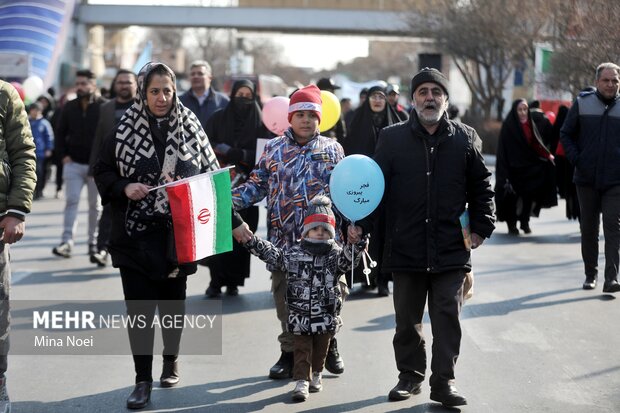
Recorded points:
(204, 216)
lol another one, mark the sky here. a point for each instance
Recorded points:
(330, 50)
(327, 50)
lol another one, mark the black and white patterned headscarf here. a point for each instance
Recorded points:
(187, 152)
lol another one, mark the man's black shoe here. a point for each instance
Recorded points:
(404, 389)
(213, 292)
(232, 291)
(334, 363)
(448, 396)
(611, 287)
(589, 283)
(140, 396)
(283, 369)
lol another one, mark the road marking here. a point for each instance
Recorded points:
(17, 276)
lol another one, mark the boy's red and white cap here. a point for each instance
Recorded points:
(320, 214)
(306, 98)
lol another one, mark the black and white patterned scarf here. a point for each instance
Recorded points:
(187, 153)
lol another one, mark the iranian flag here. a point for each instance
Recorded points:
(201, 209)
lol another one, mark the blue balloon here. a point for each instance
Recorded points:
(356, 186)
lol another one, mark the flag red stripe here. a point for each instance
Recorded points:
(181, 208)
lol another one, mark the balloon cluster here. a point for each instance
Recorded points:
(30, 90)
(275, 113)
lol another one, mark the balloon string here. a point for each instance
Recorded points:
(352, 257)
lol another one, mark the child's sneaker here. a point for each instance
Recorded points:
(300, 394)
(316, 384)
(63, 250)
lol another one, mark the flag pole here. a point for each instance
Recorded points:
(189, 178)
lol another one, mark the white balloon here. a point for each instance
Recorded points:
(33, 87)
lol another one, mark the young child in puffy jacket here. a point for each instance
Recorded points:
(313, 297)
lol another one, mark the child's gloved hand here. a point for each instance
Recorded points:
(354, 234)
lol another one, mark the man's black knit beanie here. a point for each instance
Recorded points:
(429, 75)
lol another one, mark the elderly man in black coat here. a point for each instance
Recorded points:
(434, 173)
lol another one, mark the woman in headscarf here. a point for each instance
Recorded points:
(157, 141)
(233, 132)
(524, 171)
(373, 115)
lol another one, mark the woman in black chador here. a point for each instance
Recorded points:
(372, 116)
(564, 169)
(525, 172)
(233, 132)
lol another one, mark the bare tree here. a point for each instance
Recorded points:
(586, 35)
(166, 42)
(213, 45)
(266, 53)
(486, 39)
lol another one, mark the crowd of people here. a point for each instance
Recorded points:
(416, 242)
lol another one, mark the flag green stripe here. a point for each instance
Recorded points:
(223, 224)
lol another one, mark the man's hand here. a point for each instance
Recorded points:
(13, 229)
(243, 233)
(476, 240)
(137, 191)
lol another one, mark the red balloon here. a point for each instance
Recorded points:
(551, 116)
(20, 89)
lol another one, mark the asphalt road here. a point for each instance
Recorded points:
(533, 340)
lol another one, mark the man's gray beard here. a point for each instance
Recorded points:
(431, 119)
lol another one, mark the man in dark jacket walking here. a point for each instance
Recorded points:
(434, 172)
(202, 99)
(590, 138)
(125, 88)
(74, 141)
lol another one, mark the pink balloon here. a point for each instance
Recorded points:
(275, 115)
(551, 116)
(20, 89)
